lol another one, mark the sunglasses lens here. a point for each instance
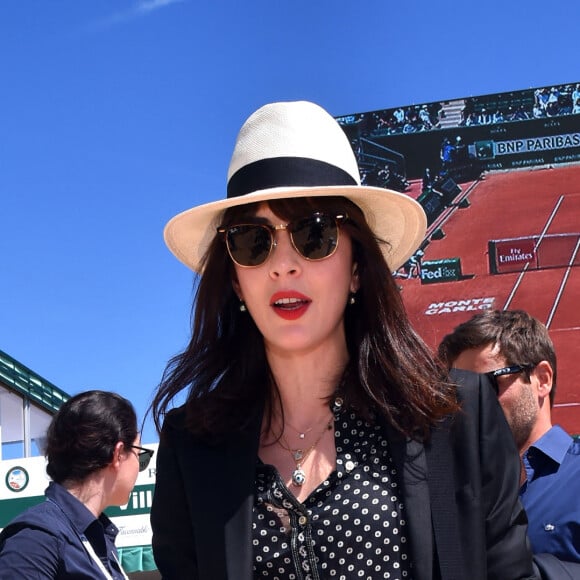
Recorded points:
(249, 245)
(144, 460)
(315, 237)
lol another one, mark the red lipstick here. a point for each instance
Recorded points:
(289, 305)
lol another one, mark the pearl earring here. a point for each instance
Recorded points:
(242, 306)
(352, 299)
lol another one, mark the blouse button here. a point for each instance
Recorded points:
(549, 527)
(349, 466)
(302, 520)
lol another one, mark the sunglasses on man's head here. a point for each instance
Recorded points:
(511, 370)
(314, 237)
(144, 456)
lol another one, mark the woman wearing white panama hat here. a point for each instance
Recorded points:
(319, 437)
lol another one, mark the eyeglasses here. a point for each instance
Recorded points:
(314, 237)
(511, 370)
(144, 456)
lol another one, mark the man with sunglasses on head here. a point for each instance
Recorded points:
(515, 350)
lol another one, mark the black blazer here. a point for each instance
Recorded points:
(464, 519)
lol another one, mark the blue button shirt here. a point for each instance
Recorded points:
(46, 541)
(551, 494)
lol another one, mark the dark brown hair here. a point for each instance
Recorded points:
(520, 338)
(224, 368)
(82, 436)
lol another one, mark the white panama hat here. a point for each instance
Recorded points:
(297, 149)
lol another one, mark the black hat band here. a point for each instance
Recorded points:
(286, 172)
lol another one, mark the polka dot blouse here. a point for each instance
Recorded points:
(352, 526)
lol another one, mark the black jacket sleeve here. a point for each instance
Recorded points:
(485, 448)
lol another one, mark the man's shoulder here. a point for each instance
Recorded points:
(556, 454)
(557, 440)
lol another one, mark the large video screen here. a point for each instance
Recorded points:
(499, 178)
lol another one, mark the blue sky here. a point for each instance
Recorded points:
(117, 114)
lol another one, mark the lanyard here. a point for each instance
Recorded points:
(90, 550)
(98, 562)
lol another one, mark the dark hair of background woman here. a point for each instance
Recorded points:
(391, 371)
(82, 436)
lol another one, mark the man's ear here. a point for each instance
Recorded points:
(545, 375)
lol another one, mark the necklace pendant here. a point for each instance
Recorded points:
(298, 477)
(298, 454)
(302, 435)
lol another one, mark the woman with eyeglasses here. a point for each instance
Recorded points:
(93, 458)
(319, 437)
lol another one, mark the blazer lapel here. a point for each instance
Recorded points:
(223, 501)
(237, 529)
(410, 460)
(443, 506)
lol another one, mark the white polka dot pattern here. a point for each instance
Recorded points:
(352, 526)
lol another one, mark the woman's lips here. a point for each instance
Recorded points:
(289, 305)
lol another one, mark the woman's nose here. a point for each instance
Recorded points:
(284, 259)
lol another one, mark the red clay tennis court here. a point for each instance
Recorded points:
(516, 235)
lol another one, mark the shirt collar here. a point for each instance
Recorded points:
(77, 513)
(554, 444)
